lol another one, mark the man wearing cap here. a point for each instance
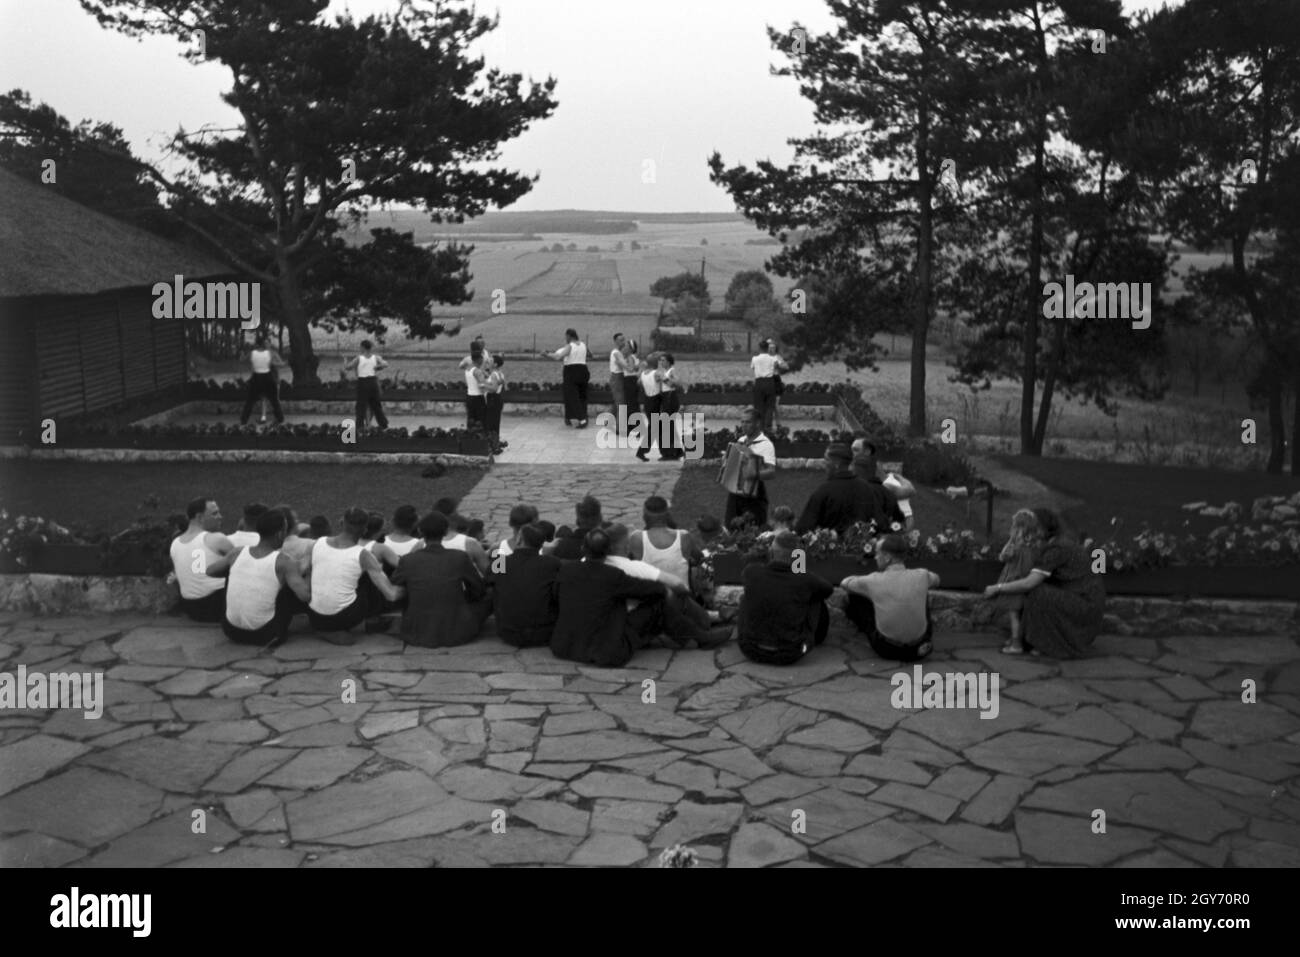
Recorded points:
(891, 606)
(524, 590)
(783, 613)
(864, 467)
(843, 498)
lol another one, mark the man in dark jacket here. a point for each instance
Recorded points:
(592, 626)
(524, 585)
(865, 468)
(783, 613)
(447, 601)
(843, 498)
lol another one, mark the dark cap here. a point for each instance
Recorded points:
(838, 452)
(708, 524)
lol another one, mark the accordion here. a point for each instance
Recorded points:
(740, 468)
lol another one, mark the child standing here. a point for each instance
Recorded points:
(1017, 559)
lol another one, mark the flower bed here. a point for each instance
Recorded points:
(299, 437)
(399, 389)
(41, 546)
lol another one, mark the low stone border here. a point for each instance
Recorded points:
(952, 611)
(265, 456)
(1125, 615)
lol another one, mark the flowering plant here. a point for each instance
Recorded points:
(23, 536)
(1236, 544)
(679, 855)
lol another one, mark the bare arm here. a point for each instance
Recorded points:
(287, 570)
(221, 567)
(370, 565)
(350, 364)
(380, 363)
(479, 557)
(1019, 586)
(220, 544)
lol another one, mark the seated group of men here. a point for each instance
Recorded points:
(594, 594)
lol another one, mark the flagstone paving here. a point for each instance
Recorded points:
(488, 755)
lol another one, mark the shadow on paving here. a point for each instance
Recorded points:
(490, 755)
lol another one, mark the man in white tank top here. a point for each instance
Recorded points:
(669, 549)
(576, 376)
(264, 383)
(348, 585)
(264, 584)
(201, 545)
(368, 366)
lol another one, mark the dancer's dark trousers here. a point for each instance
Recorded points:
(492, 405)
(788, 655)
(632, 398)
(756, 506)
(653, 404)
(475, 412)
(576, 377)
(262, 386)
(862, 613)
(369, 603)
(616, 397)
(209, 609)
(670, 442)
(765, 400)
(368, 400)
(287, 604)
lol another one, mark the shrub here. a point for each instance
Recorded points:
(932, 463)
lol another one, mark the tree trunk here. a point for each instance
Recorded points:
(1029, 341)
(1049, 384)
(916, 424)
(1295, 425)
(1276, 426)
(303, 360)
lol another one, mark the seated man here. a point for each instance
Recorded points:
(569, 541)
(246, 535)
(200, 545)
(446, 597)
(348, 585)
(843, 498)
(592, 594)
(864, 467)
(891, 606)
(678, 615)
(783, 613)
(265, 588)
(520, 516)
(524, 590)
(404, 539)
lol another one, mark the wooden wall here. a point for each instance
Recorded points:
(83, 354)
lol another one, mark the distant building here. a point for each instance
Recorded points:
(77, 332)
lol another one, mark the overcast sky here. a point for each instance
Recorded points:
(669, 80)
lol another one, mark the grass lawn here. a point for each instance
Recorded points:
(1153, 494)
(109, 496)
(698, 493)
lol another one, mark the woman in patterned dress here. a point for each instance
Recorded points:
(1065, 602)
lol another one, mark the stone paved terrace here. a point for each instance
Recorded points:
(555, 489)
(1154, 732)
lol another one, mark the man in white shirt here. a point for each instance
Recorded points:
(246, 535)
(576, 376)
(891, 606)
(476, 346)
(766, 365)
(617, 373)
(755, 505)
(200, 545)
(265, 584)
(677, 614)
(368, 366)
(264, 384)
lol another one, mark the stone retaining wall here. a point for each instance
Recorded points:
(1125, 615)
(264, 456)
(953, 611)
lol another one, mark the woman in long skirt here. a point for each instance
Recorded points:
(576, 376)
(670, 444)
